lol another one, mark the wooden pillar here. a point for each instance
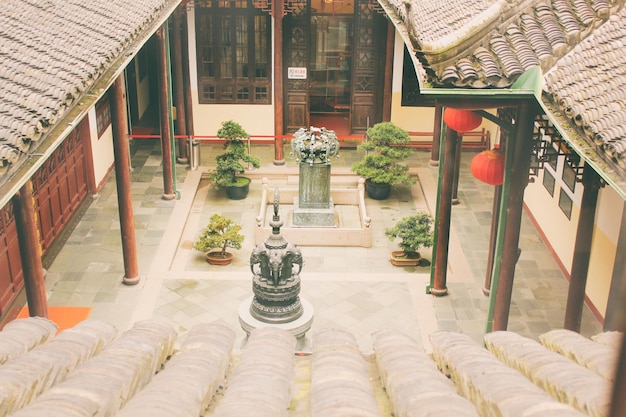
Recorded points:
(186, 78)
(457, 170)
(122, 180)
(30, 252)
(495, 220)
(521, 153)
(582, 250)
(618, 401)
(391, 32)
(434, 156)
(278, 10)
(179, 94)
(164, 115)
(443, 216)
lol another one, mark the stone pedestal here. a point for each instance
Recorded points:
(314, 206)
(314, 217)
(296, 327)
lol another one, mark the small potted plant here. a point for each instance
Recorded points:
(227, 173)
(221, 233)
(415, 232)
(384, 148)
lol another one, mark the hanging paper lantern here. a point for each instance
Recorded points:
(461, 120)
(488, 166)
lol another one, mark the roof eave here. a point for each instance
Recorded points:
(60, 130)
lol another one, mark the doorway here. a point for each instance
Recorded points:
(330, 65)
(334, 60)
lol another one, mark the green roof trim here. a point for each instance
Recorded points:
(531, 80)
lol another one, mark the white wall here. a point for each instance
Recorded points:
(412, 119)
(561, 232)
(143, 91)
(102, 149)
(604, 249)
(558, 229)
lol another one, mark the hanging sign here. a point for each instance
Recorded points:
(296, 73)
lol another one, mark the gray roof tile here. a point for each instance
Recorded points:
(578, 44)
(51, 52)
(152, 370)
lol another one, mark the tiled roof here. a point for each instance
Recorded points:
(51, 53)
(151, 370)
(578, 45)
(589, 87)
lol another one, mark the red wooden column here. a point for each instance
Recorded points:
(445, 211)
(434, 155)
(391, 37)
(186, 80)
(164, 115)
(522, 150)
(582, 250)
(122, 180)
(457, 169)
(30, 252)
(278, 10)
(618, 400)
(179, 94)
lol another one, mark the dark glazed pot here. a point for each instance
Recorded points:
(239, 192)
(377, 191)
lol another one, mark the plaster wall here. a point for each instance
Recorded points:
(143, 91)
(561, 232)
(605, 241)
(102, 148)
(557, 228)
(207, 118)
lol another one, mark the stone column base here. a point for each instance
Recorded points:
(297, 327)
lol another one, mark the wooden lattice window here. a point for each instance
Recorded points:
(234, 52)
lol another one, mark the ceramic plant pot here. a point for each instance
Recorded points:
(402, 258)
(377, 191)
(216, 258)
(239, 191)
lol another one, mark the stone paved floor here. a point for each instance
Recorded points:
(352, 288)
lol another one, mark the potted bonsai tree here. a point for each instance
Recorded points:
(384, 150)
(415, 232)
(221, 233)
(227, 173)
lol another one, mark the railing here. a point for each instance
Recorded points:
(483, 142)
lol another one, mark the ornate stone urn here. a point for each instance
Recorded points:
(275, 267)
(313, 149)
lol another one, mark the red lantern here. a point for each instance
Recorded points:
(461, 120)
(488, 166)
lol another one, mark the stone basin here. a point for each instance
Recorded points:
(352, 225)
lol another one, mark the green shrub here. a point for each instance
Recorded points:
(415, 232)
(385, 148)
(222, 233)
(230, 163)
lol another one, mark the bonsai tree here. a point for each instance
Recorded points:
(414, 232)
(385, 148)
(230, 163)
(222, 233)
